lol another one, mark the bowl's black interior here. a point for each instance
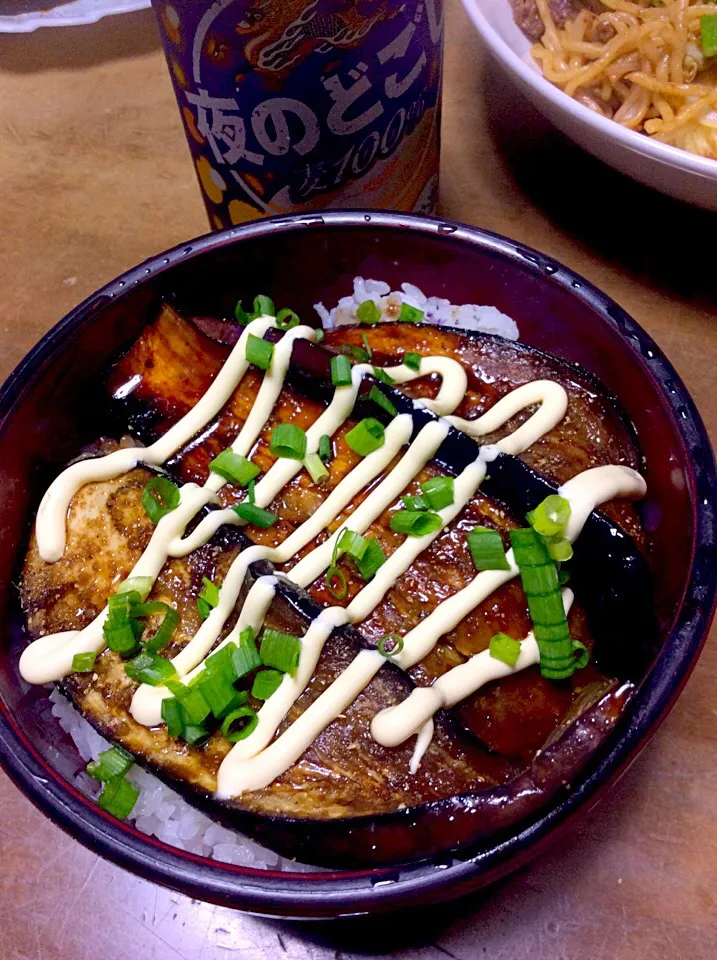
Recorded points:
(47, 412)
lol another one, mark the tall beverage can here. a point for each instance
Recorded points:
(297, 105)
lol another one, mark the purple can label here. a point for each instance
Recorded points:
(292, 106)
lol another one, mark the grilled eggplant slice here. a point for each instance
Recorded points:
(495, 759)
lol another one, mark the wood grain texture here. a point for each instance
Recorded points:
(94, 176)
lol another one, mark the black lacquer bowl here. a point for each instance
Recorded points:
(48, 411)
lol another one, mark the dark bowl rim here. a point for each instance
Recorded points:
(357, 892)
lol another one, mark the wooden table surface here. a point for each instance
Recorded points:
(94, 177)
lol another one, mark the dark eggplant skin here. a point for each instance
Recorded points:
(467, 814)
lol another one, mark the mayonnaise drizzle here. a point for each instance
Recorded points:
(257, 760)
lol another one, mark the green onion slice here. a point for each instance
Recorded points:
(195, 734)
(169, 623)
(367, 346)
(319, 335)
(140, 585)
(172, 716)
(371, 559)
(353, 543)
(439, 492)
(265, 683)
(239, 724)
(251, 491)
(259, 351)
(150, 668)
(415, 523)
(218, 691)
(383, 376)
(325, 447)
(368, 435)
(256, 515)
(222, 662)
(708, 34)
(414, 503)
(333, 574)
(288, 440)
(390, 645)
(378, 397)
(160, 497)
(340, 371)
(118, 797)
(409, 314)
(246, 657)
(234, 468)
(559, 549)
(286, 319)
(315, 466)
(195, 708)
(280, 650)
(487, 550)
(550, 518)
(263, 306)
(109, 764)
(368, 312)
(539, 576)
(357, 353)
(505, 648)
(208, 599)
(412, 361)
(83, 662)
(581, 653)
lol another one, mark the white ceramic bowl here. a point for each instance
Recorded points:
(668, 169)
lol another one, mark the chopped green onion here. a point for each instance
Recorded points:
(390, 645)
(280, 650)
(583, 654)
(708, 33)
(246, 657)
(357, 353)
(550, 518)
(263, 306)
(539, 576)
(367, 346)
(120, 639)
(159, 498)
(259, 352)
(195, 734)
(286, 319)
(439, 492)
(335, 551)
(251, 491)
(368, 312)
(415, 523)
(169, 624)
(368, 435)
(217, 691)
(208, 599)
(315, 466)
(109, 764)
(353, 543)
(371, 559)
(222, 662)
(288, 440)
(378, 397)
(240, 314)
(265, 683)
(341, 371)
(559, 549)
(336, 573)
(233, 729)
(412, 361)
(118, 797)
(140, 585)
(409, 314)
(325, 447)
(150, 668)
(233, 467)
(505, 648)
(414, 503)
(256, 515)
(195, 708)
(319, 336)
(487, 550)
(83, 662)
(383, 376)
(172, 716)
(563, 577)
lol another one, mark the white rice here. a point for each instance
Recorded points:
(160, 811)
(437, 310)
